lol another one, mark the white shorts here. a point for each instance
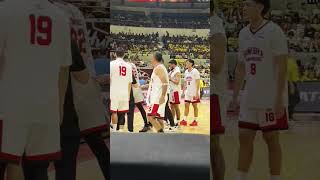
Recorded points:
(262, 119)
(38, 141)
(175, 97)
(119, 106)
(191, 99)
(89, 106)
(156, 110)
(137, 95)
(218, 114)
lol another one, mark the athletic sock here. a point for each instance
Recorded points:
(185, 118)
(195, 118)
(114, 127)
(242, 175)
(274, 177)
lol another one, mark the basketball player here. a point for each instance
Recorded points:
(218, 110)
(85, 111)
(34, 44)
(157, 93)
(120, 87)
(175, 88)
(192, 92)
(263, 104)
(138, 98)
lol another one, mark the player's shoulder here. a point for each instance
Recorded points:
(195, 71)
(274, 27)
(244, 31)
(216, 25)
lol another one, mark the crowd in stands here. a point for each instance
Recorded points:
(182, 47)
(160, 20)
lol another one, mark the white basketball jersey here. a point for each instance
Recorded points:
(79, 33)
(191, 78)
(219, 81)
(258, 50)
(155, 86)
(172, 74)
(135, 73)
(34, 44)
(120, 76)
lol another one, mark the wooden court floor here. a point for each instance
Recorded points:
(301, 152)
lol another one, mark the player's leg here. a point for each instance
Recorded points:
(186, 113)
(217, 158)
(3, 167)
(246, 141)
(155, 123)
(35, 170)
(14, 172)
(131, 115)
(143, 113)
(173, 110)
(274, 149)
(101, 151)
(178, 113)
(114, 120)
(121, 121)
(195, 113)
(168, 114)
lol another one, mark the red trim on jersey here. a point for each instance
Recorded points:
(193, 102)
(216, 126)
(282, 124)
(44, 157)
(10, 157)
(94, 129)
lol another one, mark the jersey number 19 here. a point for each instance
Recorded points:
(40, 30)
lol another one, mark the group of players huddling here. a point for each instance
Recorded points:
(261, 74)
(49, 90)
(164, 89)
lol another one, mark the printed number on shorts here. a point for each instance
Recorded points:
(253, 69)
(79, 37)
(123, 70)
(40, 30)
(270, 116)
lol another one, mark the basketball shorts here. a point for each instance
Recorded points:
(262, 119)
(156, 110)
(218, 114)
(175, 97)
(191, 99)
(137, 95)
(119, 106)
(38, 141)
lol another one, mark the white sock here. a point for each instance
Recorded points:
(274, 177)
(114, 126)
(241, 175)
(185, 118)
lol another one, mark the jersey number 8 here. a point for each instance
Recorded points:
(40, 30)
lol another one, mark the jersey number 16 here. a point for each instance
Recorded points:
(40, 30)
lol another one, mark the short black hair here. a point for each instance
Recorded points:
(158, 56)
(211, 6)
(173, 62)
(120, 52)
(266, 4)
(191, 61)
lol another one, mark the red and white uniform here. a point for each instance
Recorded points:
(218, 90)
(190, 78)
(34, 45)
(258, 51)
(87, 97)
(155, 92)
(175, 89)
(137, 92)
(120, 77)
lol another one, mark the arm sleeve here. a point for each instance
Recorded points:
(77, 61)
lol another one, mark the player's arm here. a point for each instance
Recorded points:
(161, 74)
(280, 51)
(63, 84)
(240, 73)
(130, 75)
(134, 82)
(218, 43)
(78, 68)
(176, 79)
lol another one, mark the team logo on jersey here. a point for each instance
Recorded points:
(189, 78)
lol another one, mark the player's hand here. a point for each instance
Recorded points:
(162, 100)
(279, 109)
